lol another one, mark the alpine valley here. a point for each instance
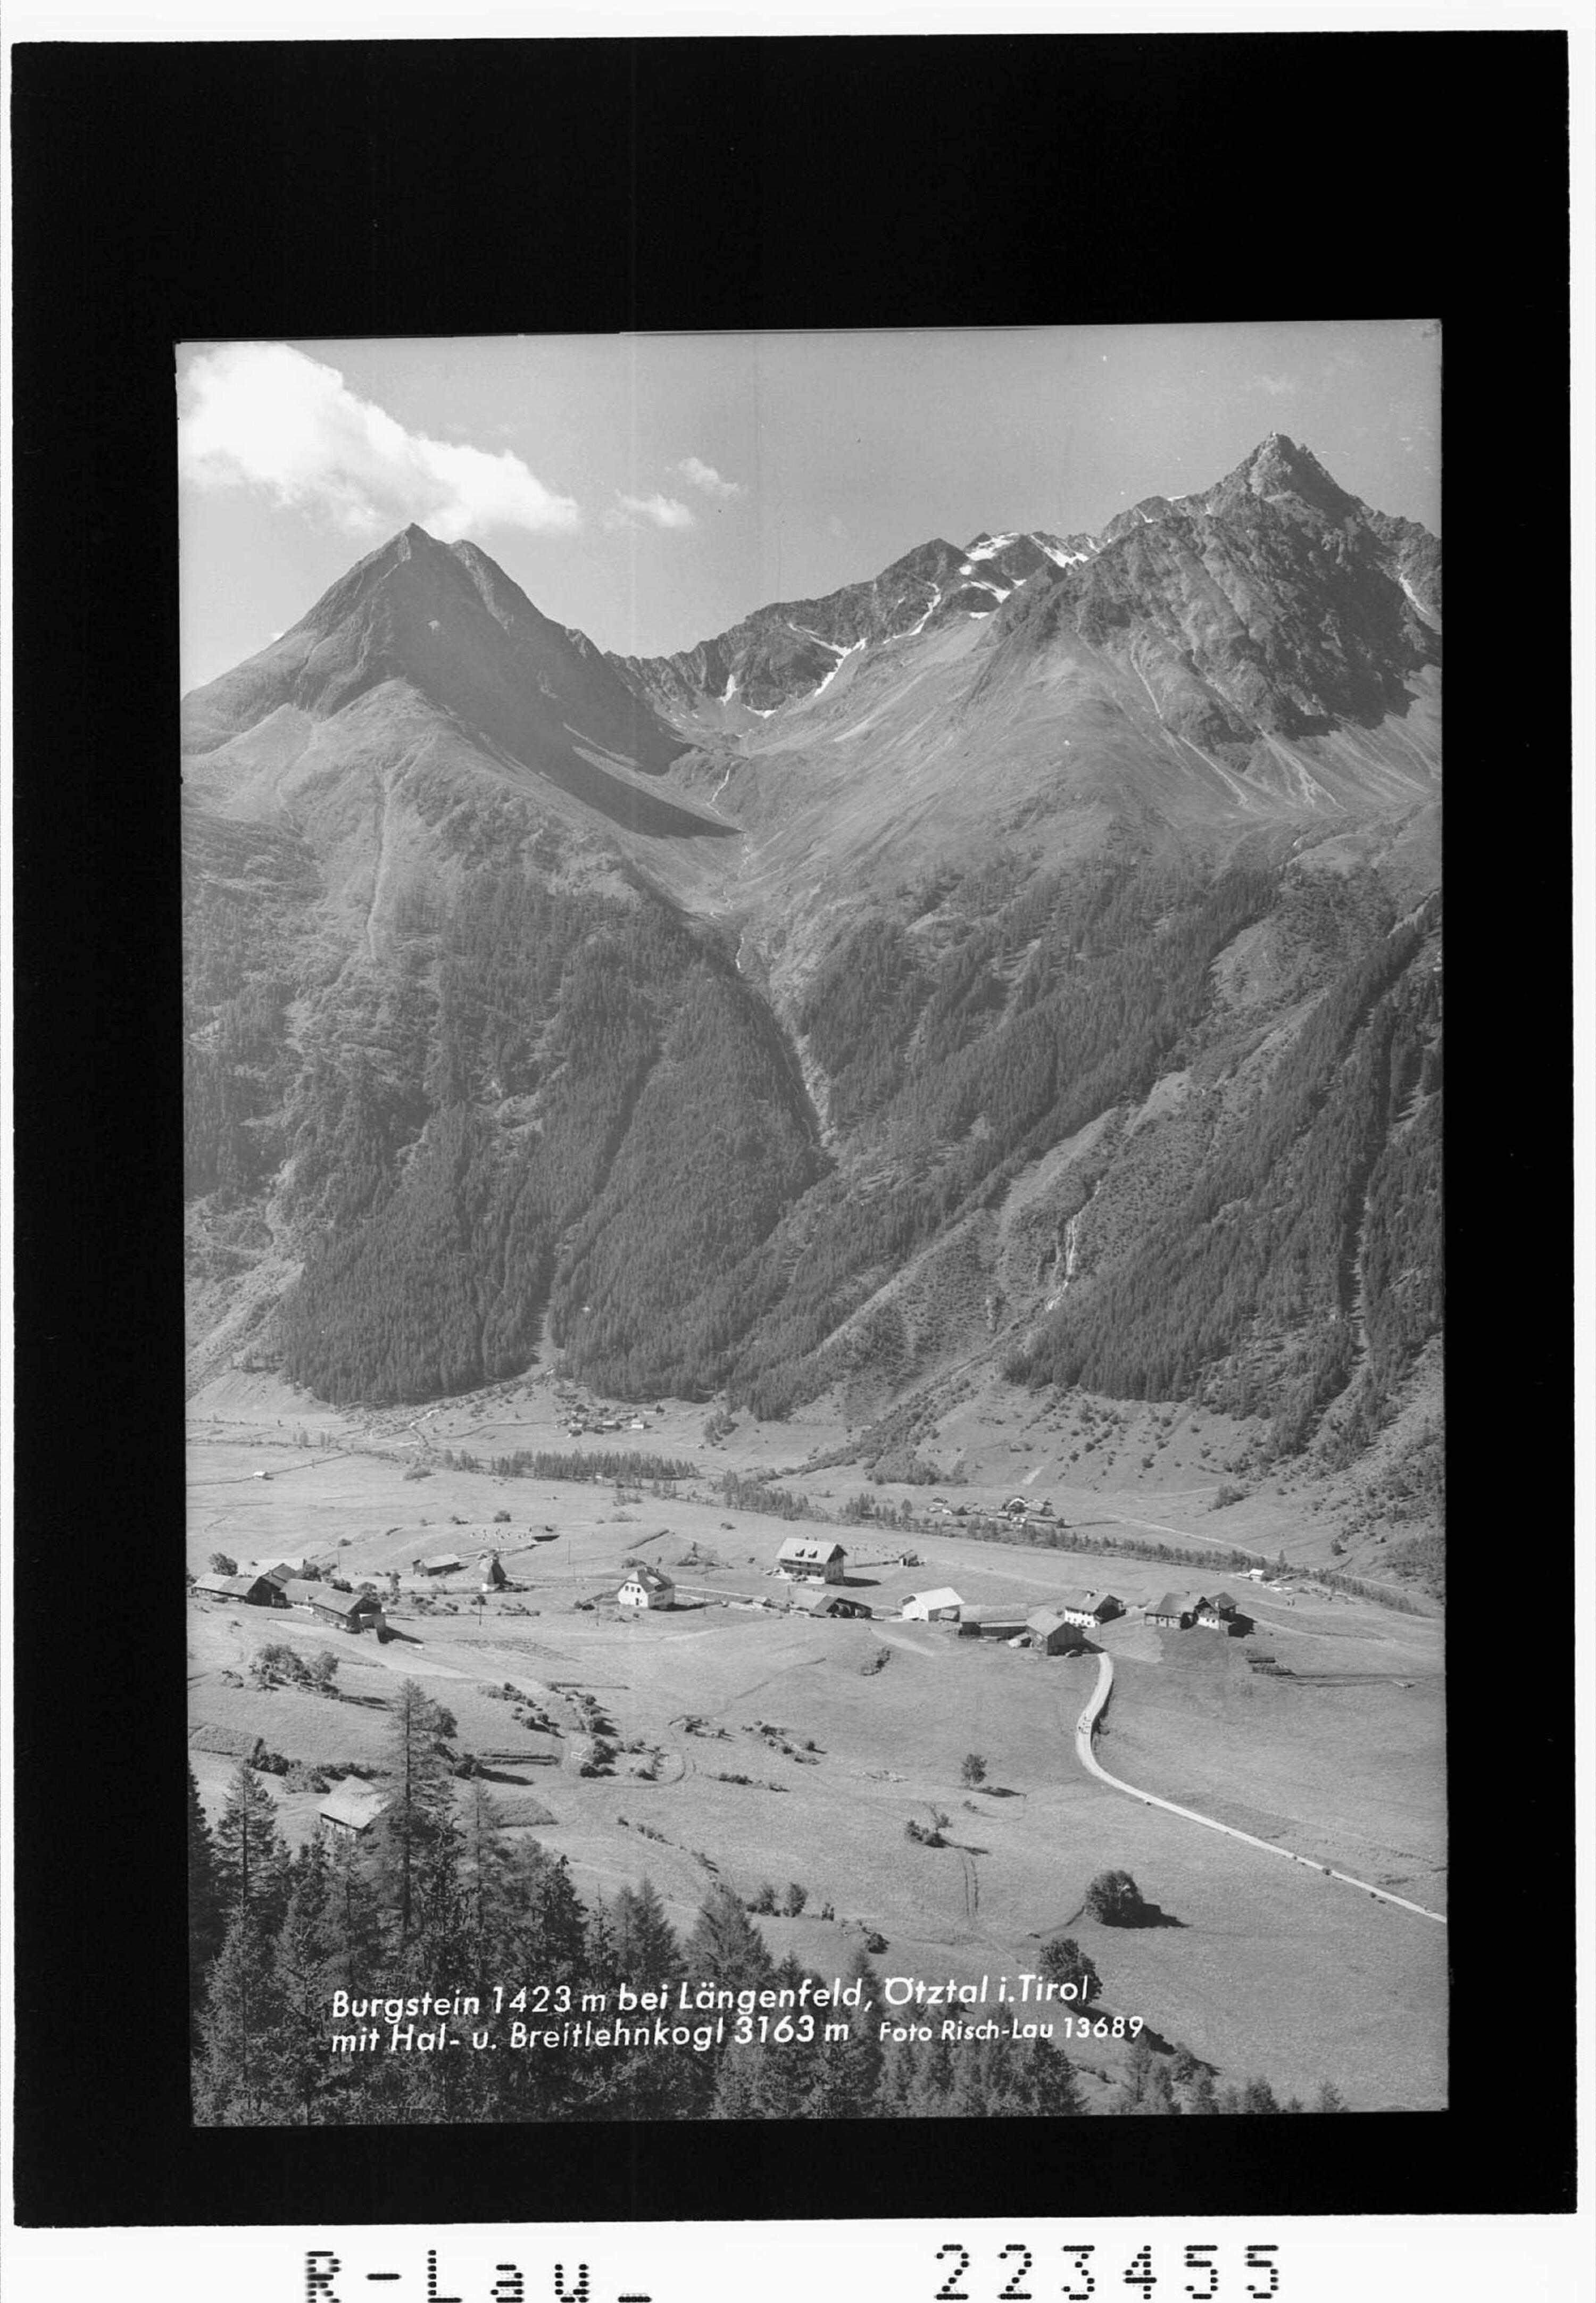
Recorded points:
(1007, 989)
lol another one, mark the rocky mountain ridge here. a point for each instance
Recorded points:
(793, 650)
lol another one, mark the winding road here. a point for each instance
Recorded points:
(1085, 1727)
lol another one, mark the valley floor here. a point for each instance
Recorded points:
(850, 1730)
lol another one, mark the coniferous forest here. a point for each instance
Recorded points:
(561, 1117)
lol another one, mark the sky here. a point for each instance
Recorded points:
(653, 490)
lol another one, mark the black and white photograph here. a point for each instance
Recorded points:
(727, 998)
(813, 1010)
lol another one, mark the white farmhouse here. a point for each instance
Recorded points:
(646, 1587)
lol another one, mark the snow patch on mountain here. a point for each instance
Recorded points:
(842, 656)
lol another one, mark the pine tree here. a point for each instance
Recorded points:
(206, 1918)
(847, 2072)
(354, 1915)
(1049, 2087)
(235, 2078)
(646, 1950)
(487, 1879)
(299, 2051)
(251, 1861)
(415, 1835)
(724, 1946)
(1330, 2099)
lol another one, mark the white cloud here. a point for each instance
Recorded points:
(659, 512)
(1273, 384)
(705, 476)
(265, 416)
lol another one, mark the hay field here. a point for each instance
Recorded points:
(1272, 1969)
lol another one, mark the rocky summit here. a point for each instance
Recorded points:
(1023, 967)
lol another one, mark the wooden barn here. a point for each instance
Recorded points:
(823, 1600)
(352, 1611)
(350, 1811)
(998, 1622)
(806, 1561)
(1051, 1633)
(942, 1606)
(1170, 1613)
(250, 1590)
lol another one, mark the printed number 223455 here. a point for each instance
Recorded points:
(1025, 2280)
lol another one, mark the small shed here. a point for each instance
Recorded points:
(350, 1811)
(441, 1563)
(823, 1600)
(942, 1606)
(646, 1587)
(807, 1561)
(492, 1571)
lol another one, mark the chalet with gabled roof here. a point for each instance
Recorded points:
(804, 1560)
(1091, 1608)
(646, 1587)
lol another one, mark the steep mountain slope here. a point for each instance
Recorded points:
(1029, 960)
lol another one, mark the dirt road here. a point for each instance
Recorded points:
(1084, 1728)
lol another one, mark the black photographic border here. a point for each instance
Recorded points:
(184, 190)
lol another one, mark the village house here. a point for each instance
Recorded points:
(822, 1599)
(1220, 1614)
(942, 1606)
(350, 1811)
(1090, 1608)
(646, 1587)
(804, 1561)
(441, 1563)
(1051, 1633)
